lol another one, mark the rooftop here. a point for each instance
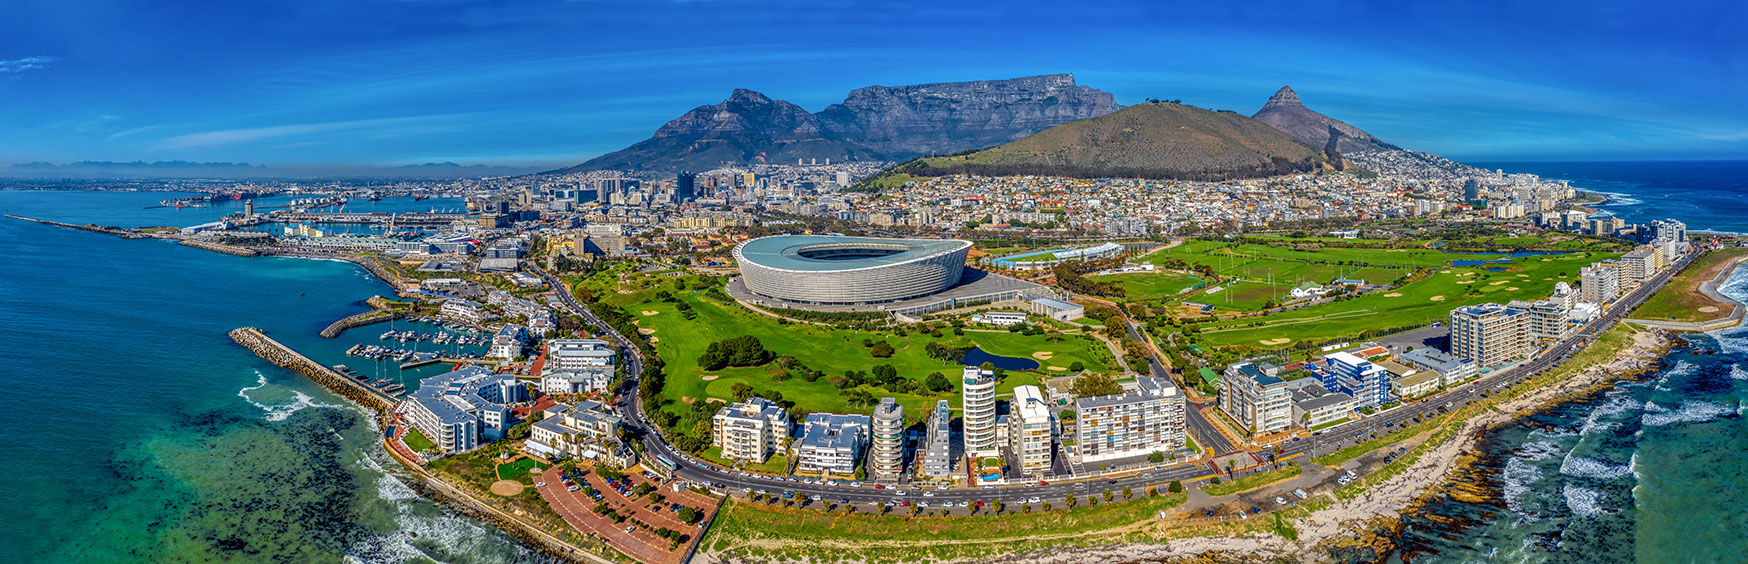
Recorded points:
(821, 253)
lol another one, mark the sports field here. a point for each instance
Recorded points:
(1152, 285)
(1269, 272)
(1417, 303)
(680, 341)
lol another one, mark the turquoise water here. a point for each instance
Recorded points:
(138, 432)
(1653, 471)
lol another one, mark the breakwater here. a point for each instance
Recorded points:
(215, 247)
(253, 339)
(336, 328)
(94, 228)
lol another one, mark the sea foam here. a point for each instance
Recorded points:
(1694, 411)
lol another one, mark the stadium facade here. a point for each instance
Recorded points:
(835, 270)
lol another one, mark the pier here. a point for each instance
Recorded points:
(359, 320)
(255, 340)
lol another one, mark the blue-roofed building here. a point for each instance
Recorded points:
(1256, 398)
(464, 409)
(1368, 383)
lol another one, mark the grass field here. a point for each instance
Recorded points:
(680, 341)
(1420, 302)
(1253, 481)
(1681, 300)
(1152, 285)
(417, 441)
(1287, 268)
(518, 469)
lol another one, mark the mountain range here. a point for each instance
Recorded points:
(872, 123)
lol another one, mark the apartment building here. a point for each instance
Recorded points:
(1147, 417)
(886, 457)
(831, 442)
(577, 354)
(1452, 370)
(587, 430)
(750, 430)
(1258, 400)
(1031, 431)
(1367, 382)
(1314, 405)
(938, 454)
(464, 409)
(1599, 283)
(1492, 334)
(979, 419)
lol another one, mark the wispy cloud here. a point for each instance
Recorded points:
(15, 66)
(235, 136)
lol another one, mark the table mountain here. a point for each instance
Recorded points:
(873, 123)
(1285, 112)
(1155, 140)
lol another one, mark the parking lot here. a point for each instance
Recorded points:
(636, 534)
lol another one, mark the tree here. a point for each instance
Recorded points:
(745, 350)
(882, 349)
(1128, 493)
(1095, 384)
(995, 506)
(1069, 500)
(1175, 486)
(1107, 495)
(1156, 457)
(938, 382)
(1076, 366)
(741, 391)
(687, 515)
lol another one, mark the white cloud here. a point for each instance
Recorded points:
(14, 66)
(234, 136)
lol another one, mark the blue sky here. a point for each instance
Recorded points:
(534, 83)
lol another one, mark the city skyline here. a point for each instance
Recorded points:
(534, 85)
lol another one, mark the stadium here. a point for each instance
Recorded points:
(830, 270)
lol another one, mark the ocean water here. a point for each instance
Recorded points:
(1652, 471)
(136, 431)
(1705, 195)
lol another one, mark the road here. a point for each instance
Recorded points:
(698, 471)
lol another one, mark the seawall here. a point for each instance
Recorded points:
(376, 316)
(215, 247)
(267, 348)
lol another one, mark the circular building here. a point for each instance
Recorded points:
(828, 270)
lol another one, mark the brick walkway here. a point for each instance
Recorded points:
(642, 544)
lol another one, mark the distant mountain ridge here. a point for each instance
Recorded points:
(872, 123)
(1163, 140)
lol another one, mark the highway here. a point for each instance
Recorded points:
(1330, 440)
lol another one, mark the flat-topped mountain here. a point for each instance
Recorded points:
(1285, 112)
(1155, 140)
(873, 123)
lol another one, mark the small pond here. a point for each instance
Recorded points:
(976, 357)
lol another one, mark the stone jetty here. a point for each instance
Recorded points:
(265, 347)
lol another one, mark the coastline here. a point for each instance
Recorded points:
(1370, 519)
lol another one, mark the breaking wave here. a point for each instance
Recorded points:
(1584, 502)
(1583, 467)
(1695, 411)
(282, 411)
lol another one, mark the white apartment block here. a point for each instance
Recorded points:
(979, 421)
(1257, 400)
(1031, 430)
(1147, 417)
(1491, 334)
(750, 430)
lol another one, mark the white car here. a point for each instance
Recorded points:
(855, 484)
(922, 504)
(1033, 499)
(1281, 500)
(928, 494)
(540, 484)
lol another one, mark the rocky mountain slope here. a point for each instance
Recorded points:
(1155, 140)
(1285, 112)
(873, 123)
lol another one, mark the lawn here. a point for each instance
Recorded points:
(416, 440)
(1152, 285)
(776, 464)
(1681, 300)
(1253, 481)
(518, 470)
(680, 342)
(1418, 303)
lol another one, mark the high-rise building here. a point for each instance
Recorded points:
(1548, 320)
(1147, 417)
(685, 187)
(886, 458)
(843, 178)
(1599, 283)
(978, 402)
(1492, 334)
(1640, 264)
(1669, 230)
(1257, 400)
(1031, 431)
(1471, 190)
(938, 452)
(1368, 383)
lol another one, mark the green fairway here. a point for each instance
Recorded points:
(1418, 303)
(680, 342)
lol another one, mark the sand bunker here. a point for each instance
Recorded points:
(1523, 276)
(1043, 355)
(507, 488)
(1444, 272)
(1465, 281)
(1393, 295)
(1511, 288)
(1498, 283)
(1272, 342)
(655, 339)
(1058, 368)
(647, 313)
(1437, 298)
(709, 377)
(646, 331)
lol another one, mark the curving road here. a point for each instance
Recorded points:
(1324, 442)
